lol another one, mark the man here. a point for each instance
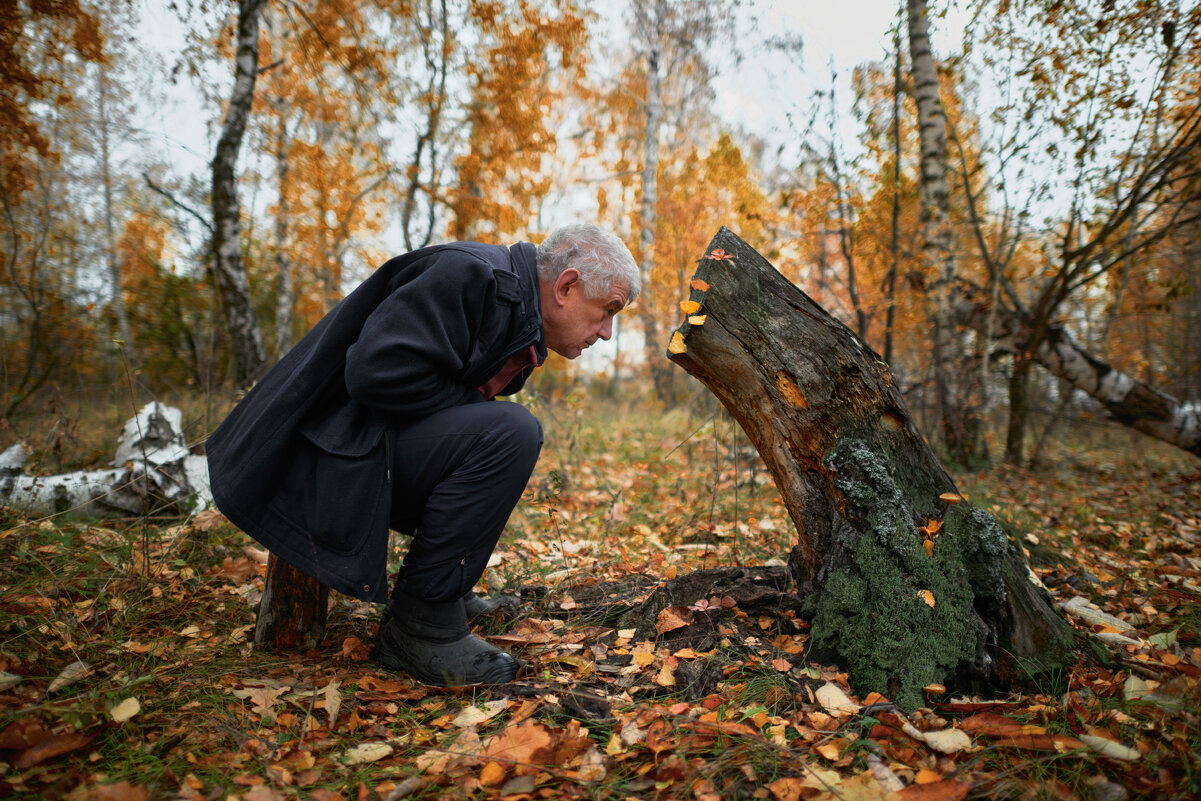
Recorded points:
(383, 416)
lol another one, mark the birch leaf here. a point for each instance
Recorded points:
(367, 752)
(69, 675)
(125, 710)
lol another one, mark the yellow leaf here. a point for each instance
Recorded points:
(829, 750)
(677, 343)
(929, 546)
(928, 597)
(951, 498)
(125, 710)
(367, 752)
(698, 319)
(689, 306)
(666, 677)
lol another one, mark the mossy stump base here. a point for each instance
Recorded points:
(898, 607)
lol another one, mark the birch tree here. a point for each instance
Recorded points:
(671, 38)
(951, 352)
(241, 322)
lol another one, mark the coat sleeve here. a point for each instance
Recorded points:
(415, 346)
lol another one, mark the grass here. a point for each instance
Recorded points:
(161, 611)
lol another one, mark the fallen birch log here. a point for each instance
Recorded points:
(152, 472)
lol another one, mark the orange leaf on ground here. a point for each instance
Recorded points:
(530, 742)
(49, 749)
(660, 736)
(1040, 742)
(121, 791)
(492, 773)
(24, 733)
(944, 790)
(927, 776)
(990, 724)
(672, 618)
(928, 597)
(786, 789)
(354, 650)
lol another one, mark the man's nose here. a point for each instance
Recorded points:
(606, 330)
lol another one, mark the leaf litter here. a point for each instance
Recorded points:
(131, 676)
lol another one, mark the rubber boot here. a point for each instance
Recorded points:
(431, 642)
(478, 606)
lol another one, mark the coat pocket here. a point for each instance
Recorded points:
(340, 501)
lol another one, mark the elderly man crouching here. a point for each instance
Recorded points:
(383, 416)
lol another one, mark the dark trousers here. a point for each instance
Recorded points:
(456, 477)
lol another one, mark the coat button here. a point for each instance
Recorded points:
(366, 588)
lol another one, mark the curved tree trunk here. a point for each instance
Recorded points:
(1128, 401)
(901, 587)
(241, 323)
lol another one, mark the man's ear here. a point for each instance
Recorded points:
(567, 281)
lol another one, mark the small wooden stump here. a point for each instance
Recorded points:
(292, 611)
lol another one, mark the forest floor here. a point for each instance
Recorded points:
(127, 672)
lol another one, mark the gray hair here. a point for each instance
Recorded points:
(602, 259)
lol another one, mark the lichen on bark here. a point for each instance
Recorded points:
(873, 614)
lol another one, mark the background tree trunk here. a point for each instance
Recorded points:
(241, 323)
(860, 483)
(952, 381)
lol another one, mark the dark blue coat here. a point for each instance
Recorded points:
(302, 464)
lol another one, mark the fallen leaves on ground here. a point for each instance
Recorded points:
(149, 656)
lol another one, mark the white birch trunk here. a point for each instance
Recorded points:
(950, 351)
(240, 320)
(650, 198)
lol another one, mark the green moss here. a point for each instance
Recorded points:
(871, 613)
(982, 545)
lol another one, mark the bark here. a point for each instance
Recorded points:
(650, 198)
(283, 267)
(110, 237)
(241, 322)
(956, 410)
(292, 611)
(152, 472)
(858, 480)
(1127, 400)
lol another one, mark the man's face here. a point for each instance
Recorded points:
(573, 321)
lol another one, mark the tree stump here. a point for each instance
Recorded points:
(292, 610)
(902, 584)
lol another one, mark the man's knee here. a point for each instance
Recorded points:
(515, 430)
